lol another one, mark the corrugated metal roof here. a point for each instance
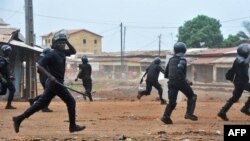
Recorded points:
(217, 52)
(22, 44)
(6, 37)
(203, 61)
(224, 60)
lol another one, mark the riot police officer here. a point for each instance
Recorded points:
(53, 65)
(42, 77)
(241, 65)
(85, 75)
(6, 78)
(175, 71)
(152, 73)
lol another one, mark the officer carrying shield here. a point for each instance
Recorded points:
(53, 65)
(6, 79)
(175, 71)
(241, 83)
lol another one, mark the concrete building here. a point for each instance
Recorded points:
(83, 40)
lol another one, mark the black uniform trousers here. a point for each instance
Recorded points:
(149, 86)
(238, 90)
(11, 87)
(174, 87)
(53, 89)
(87, 84)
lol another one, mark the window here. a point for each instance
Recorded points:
(84, 41)
(95, 41)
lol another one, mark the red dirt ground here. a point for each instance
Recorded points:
(120, 116)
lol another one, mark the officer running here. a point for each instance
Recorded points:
(54, 62)
(6, 79)
(42, 77)
(85, 75)
(241, 81)
(152, 73)
(175, 71)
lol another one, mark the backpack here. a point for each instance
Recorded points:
(230, 74)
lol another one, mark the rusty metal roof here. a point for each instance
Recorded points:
(203, 61)
(6, 37)
(217, 52)
(224, 60)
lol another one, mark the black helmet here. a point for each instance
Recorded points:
(46, 51)
(59, 36)
(157, 60)
(84, 59)
(6, 49)
(243, 50)
(180, 48)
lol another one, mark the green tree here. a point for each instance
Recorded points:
(200, 31)
(231, 41)
(242, 35)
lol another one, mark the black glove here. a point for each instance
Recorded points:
(141, 80)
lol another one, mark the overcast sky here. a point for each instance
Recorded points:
(145, 20)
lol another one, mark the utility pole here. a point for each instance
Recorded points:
(123, 49)
(30, 57)
(172, 40)
(121, 25)
(159, 45)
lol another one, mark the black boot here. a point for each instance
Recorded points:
(167, 113)
(90, 97)
(166, 120)
(191, 104)
(163, 101)
(139, 95)
(31, 101)
(47, 109)
(76, 128)
(191, 117)
(17, 122)
(245, 109)
(9, 106)
(223, 111)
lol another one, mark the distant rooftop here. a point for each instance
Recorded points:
(3, 23)
(71, 31)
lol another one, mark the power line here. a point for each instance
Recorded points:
(236, 19)
(147, 45)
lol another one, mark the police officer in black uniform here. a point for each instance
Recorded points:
(85, 75)
(152, 73)
(54, 62)
(5, 77)
(176, 73)
(241, 81)
(42, 77)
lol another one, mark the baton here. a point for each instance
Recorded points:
(84, 94)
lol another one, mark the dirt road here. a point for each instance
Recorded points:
(121, 119)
